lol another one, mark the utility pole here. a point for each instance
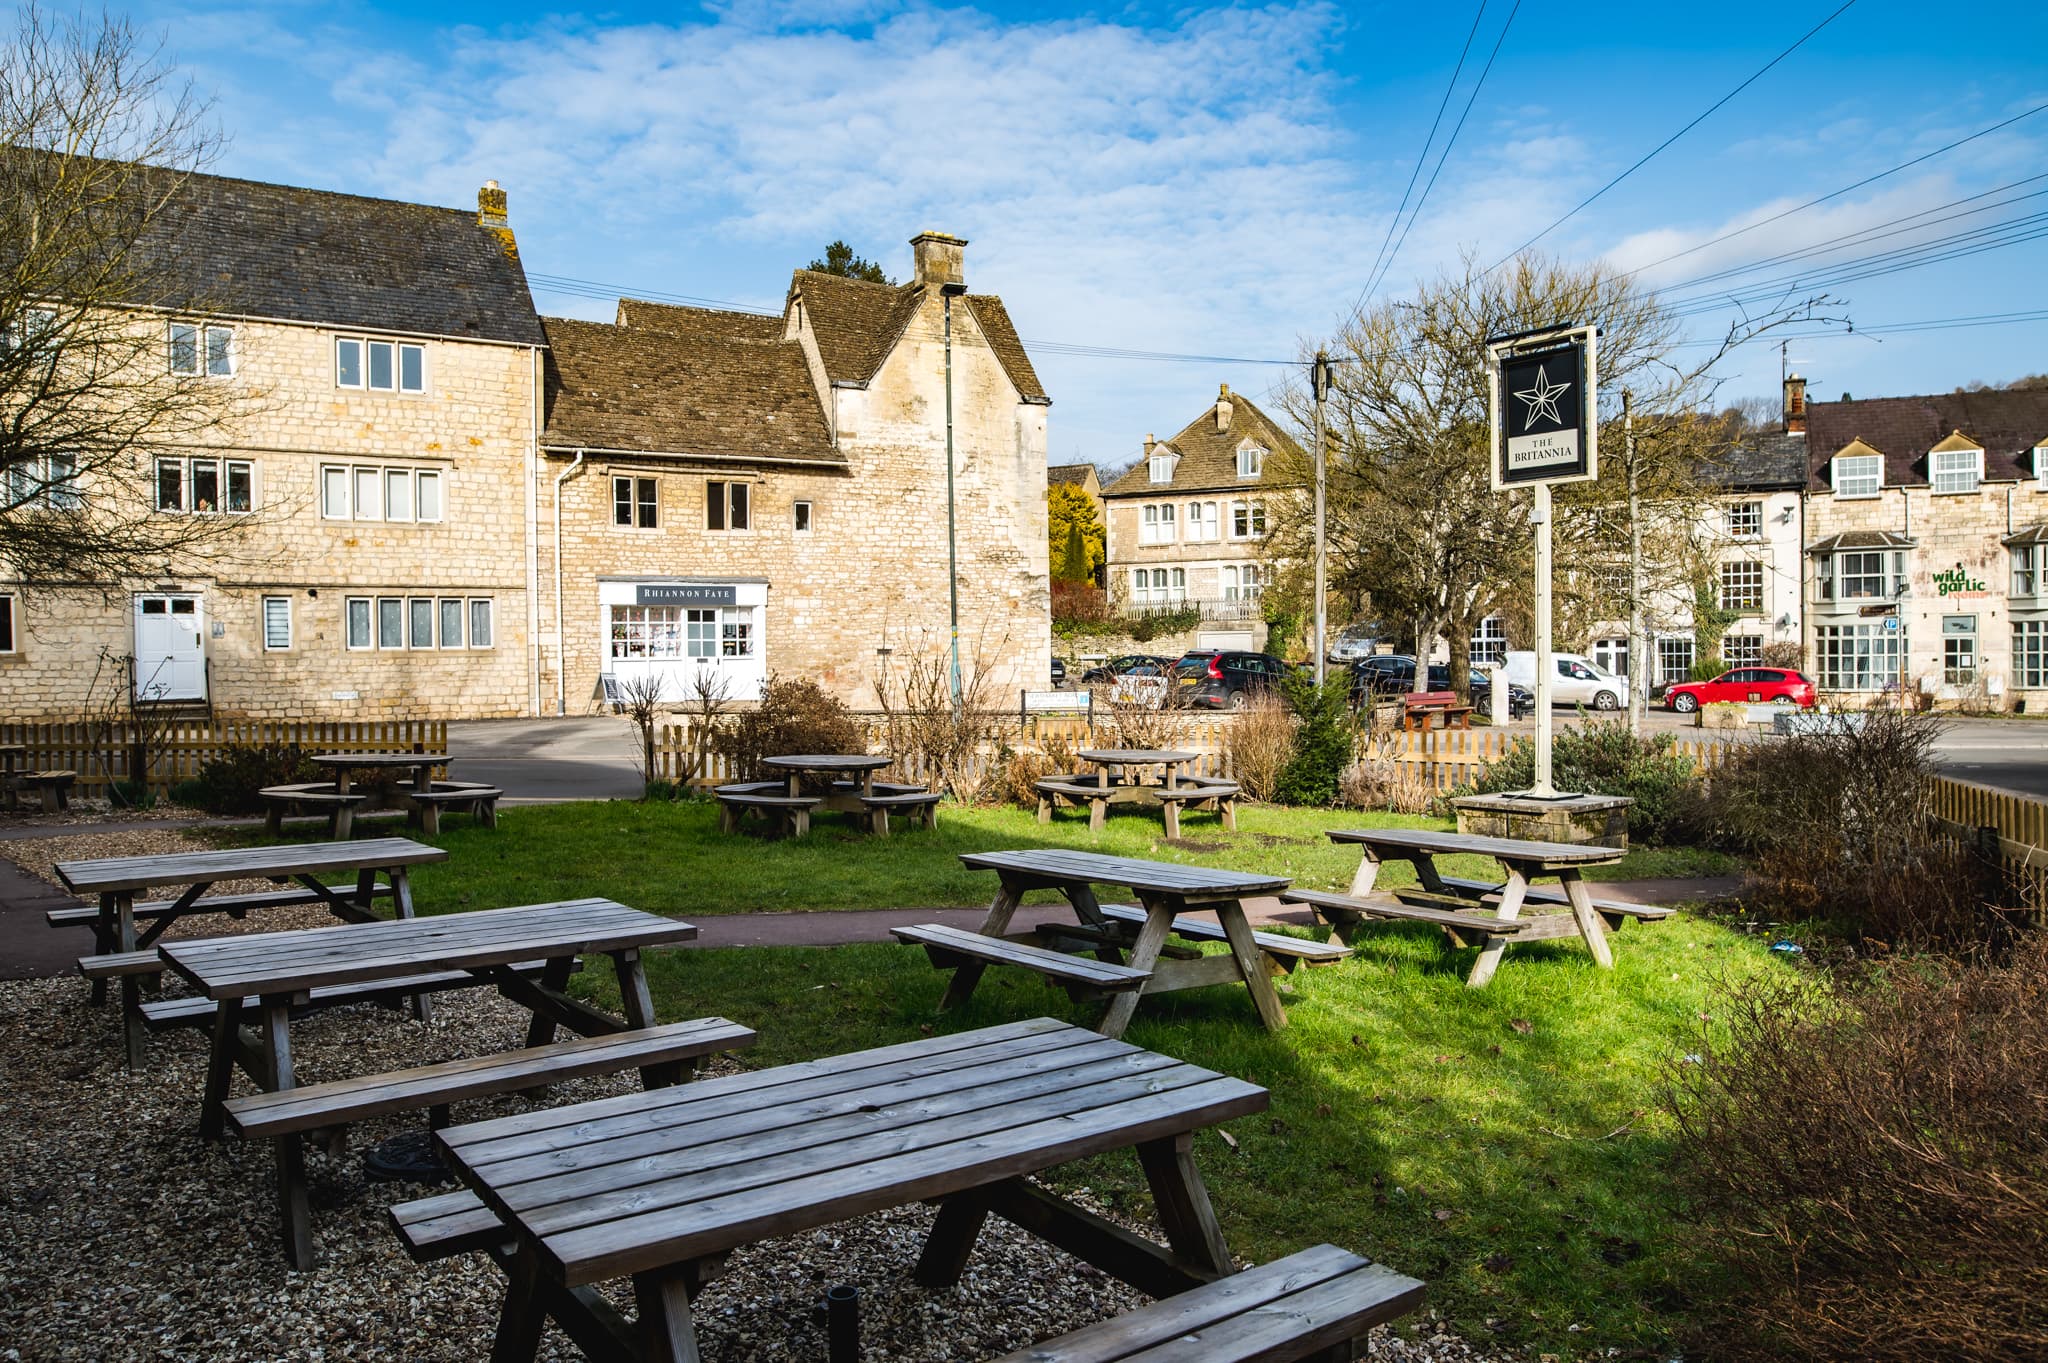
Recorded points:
(1637, 661)
(1319, 381)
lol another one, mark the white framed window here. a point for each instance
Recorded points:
(1742, 586)
(636, 503)
(1159, 468)
(376, 492)
(205, 487)
(1674, 659)
(1956, 471)
(1243, 581)
(1858, 475)
(1156, 523)
(9, 605)
(1141, 584)
(728, 506)
(419, 622)
(1746, 519)
(277, 623)
(49, 481)
(1490, 643)
(800, 514)
(389, 624)
(1959, 649)
(357, 610)
(736, 634)
(380, 366)
(2041, 465)
(1201, 522)
(32, 324)
(201, 350)
(1247, 520)
(2026, 565)
(482, 622)
(450, 608)
(1250, 460)
(1860, 657)
(2030, 654)
(1742, 650)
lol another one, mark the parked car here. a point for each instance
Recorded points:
(1575, 680)
(1755, 685)
(1059, 672)
(1144, 664)
(1392, 674)
(1354, 642)
(1223, 679)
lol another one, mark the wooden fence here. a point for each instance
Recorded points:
(2012, 828)
(104, 753)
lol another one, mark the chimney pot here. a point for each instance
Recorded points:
(1149, 443)
(1795, 405)
(1223, 407)
(490, 206)
(939, 259)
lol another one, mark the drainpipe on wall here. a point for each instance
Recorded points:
(561, 626)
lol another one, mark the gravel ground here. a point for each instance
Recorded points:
(39, 855)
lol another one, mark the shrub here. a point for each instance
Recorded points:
(932, 738)
(1323, 740)
(1382, 783)
(1836, 821)
(795, 716)
(1136, 724)
(1080, 603)
(1870, 1170)
(1259, 743)
(1023, 769)
(1157, 624)
(1707, 668)
(1604, 758)
(228, 784)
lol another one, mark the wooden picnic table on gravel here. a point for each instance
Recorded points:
(660, 1186)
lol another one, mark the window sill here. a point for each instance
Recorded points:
(1956, 491)
(1859, 496)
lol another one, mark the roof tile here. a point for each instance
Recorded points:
(2008, 423)
(1208, 457)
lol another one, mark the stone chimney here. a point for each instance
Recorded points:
(1795, 405)
(940, 259)
(1223, 407)
(1149, 443)
(490, 206)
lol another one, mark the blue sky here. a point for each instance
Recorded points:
(1188, 180)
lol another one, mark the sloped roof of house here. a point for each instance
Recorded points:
(703, 387)
(1861, 539)
(703, 323)
(1069, 473)
(858, 323)
(249, 249)
(2006, 423)
(1762, 463)
(1208, 456)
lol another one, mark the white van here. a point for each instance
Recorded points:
(1575, 680)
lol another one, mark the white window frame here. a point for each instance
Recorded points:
(348, 623)
(202, 337)
(1159, 468)
(49, 481)
(1742, 586)
(1954, 480)
(2027, 563)
(1251, 460)
(1489, 643)
(802, 516)
(462, 610)
(489, 634)
(10, 623)
(397, 350)
(353, 476)
(1745, 520)
(1857, 484)
(1742, 650)
(2041, 466)
(270, 604)
(637, 507)
(187, 467)
(1201, 523)
(1248, 520)
(2030, 654)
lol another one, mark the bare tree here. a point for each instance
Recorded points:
(106, 359)
(708, 696)
(640, 701)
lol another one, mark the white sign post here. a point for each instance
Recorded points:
(1544, 407)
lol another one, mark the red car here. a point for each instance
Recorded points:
(1754, 685)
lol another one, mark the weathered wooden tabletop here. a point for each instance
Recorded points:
(1427, 842)
(1162, 877)
(112, 874)
(1135, 757)
(827, 762)
(368, 760)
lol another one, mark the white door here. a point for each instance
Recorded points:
(170, 649)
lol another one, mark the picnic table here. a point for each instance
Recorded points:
(661, 1186)
(423, 795)
(273, 975)
(849, 788)
(1115, 781)
(115, 881)
(1130, 955)
(1459, 906)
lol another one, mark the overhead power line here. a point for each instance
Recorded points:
(1700, 118)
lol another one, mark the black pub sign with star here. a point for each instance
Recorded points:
(1544, 414)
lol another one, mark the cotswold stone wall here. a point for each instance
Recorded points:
(473, 426)
(871, 573)
(1203, 560)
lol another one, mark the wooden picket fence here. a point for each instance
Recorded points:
(102, 754)
(2012, 828)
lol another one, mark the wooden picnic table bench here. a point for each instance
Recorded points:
(1438, 903)
(115, 880)
(340, 807)
(283, 971)
(1109, 785)
(840, 782)
(1419, 707)
(1165, 889)
(660, 1186)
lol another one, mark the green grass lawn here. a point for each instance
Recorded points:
(671, 858)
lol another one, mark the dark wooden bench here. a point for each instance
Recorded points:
(1084, 978)
(1197, 791)
(920, 805)
(197, 1011)
(340, 809)
(478, 801)
(1617, 912)
(1418, 707)
(235, 906)
(792, 813)
(1311, 1305)
(434, 1228)
(52, 788)
(1288, 951)
(1346, 915)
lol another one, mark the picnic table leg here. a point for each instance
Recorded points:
(401, 907)
(1368, 874)
(994, 923)
(1182, 1200)
(1511, 897)
(554, 976)
(106, 931)
(524, 1314)
(1088, 909)
(1169, 814)
(293, 1205)
(131, 985)
(1425, 871)
(220, 1067)
(1251, 963)
(1098, 812)
(667, 1332)
(1144, 955)
(950, 1242)
(1590, 926)
(639, 1006)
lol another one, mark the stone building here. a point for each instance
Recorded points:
(1927, 526)
(727, 496)
(389, 356)
(1188, 523)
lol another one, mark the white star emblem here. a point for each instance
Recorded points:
(1542, 399)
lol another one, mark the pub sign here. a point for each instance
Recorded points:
(684, 594)
(1545, 408)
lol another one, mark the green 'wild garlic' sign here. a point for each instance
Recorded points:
(1951, 581)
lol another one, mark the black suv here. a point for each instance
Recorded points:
(1222, 679)
(1393, 674)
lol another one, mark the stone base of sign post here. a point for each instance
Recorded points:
(1593, 820)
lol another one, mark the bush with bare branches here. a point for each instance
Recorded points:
(945, 744)
(1259, 742)
(1140, 721)
(794, 716)
(1024, 768)
(1871, 1169)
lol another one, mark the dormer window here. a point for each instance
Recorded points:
(1858, 475)
(1161, 466)
(1250, 459)
(1955, 470)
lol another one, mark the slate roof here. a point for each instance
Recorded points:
(1762, 463)
(857, 324)
(1862, 539)
(1068, 473)
(702, 323)
(245, 248)
(1208, 457)
(703, 387)
(2007, 423)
